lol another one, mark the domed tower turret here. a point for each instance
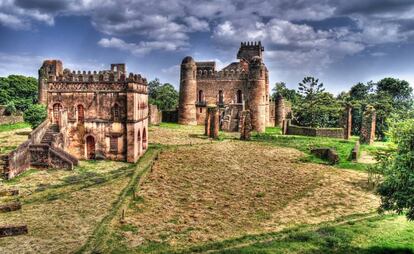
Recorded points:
(188, 92)
(257, 93)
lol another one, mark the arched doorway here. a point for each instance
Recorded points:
(144, 139)
(81, 114)
(90, 147)
(57, 108)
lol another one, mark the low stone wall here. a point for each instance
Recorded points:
(326, 154)
(11, 119)
(37, 134)
(170, 116)
(315, 132)
(17, 161)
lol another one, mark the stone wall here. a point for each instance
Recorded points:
(155, 115)
(11, 119)
(17, 161)
(315, 132)
(368, 126)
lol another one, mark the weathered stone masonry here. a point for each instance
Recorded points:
(106, 111)
(239, 86)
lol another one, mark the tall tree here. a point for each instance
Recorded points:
(163, 95)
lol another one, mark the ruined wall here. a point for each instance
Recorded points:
(272, 114)
(16, 161)
(315, 132)
(155, 116)
(368, 126)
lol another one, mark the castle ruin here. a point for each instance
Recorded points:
(242, 85)
(106, 112)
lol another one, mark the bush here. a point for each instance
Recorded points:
(10, 109)
(397, 190)
(35, 115)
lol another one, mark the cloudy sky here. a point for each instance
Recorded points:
(341, 42)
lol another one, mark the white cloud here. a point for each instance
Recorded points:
(141, 48)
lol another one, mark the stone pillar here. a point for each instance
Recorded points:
(212, 123)
(245, 125)
(347, 122)
(368, 126)
(280, 111)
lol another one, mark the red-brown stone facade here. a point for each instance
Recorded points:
(106, 112)
(244, 83)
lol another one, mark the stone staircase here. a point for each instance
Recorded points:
(45, 155)
(49, 135)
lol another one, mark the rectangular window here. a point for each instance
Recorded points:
(113, 144)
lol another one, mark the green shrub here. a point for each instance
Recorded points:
(35, 115)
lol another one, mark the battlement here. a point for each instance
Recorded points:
(248, 50)
(235, 74)
(52, 71)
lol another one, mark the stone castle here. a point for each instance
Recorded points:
(242, 85)
(91, 115)
(104, 114)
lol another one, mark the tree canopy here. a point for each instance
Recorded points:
(18, 90)
(163, 95)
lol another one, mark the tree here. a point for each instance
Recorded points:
(397, 190)
(20, 90)
(288, 94)
(35, 115)
(163, 95)
(316, 108)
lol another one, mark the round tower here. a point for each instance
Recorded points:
(188, 92)
(257, 94)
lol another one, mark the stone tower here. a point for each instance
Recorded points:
(188, 92)
(49, 71)
(257, 91)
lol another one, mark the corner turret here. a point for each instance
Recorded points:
(49, 71)
(248, 50)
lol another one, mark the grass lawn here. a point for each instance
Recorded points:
(376, 234)
(305, 144)
(15, 126)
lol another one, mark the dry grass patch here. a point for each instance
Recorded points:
(229, 189)
(174, 134)
(62, 216)
(9, 140)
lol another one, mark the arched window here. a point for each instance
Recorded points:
(115, 113)
(81, 113)
(200, 96)
(57, 108)
(239, 96)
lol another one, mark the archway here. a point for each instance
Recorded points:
(144, 139)
(57, 108)
(90, 147)
(81, 113)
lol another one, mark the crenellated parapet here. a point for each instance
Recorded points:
(237, 74)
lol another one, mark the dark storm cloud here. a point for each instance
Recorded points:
(295, 32)
(372, 7)
(43, 5)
